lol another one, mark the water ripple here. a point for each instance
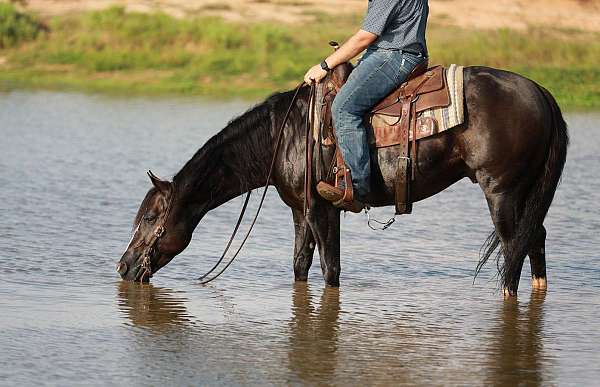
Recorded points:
(408, 314)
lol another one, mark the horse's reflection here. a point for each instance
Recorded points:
(516, 354)
(314, 335)
(151, 307)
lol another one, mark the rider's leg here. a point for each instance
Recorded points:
(378, 73)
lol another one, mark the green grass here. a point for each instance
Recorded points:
(119, 52)
(565, 62)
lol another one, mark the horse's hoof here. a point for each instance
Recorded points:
(508, 295)
(539, 283)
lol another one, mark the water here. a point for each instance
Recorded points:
(72, 174)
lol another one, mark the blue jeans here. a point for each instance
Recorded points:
(378, 73)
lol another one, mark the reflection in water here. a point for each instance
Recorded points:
(401, 350)
(314, 335)
(151, 307)
(517, 354)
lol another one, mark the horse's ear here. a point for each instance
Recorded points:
(161, 185)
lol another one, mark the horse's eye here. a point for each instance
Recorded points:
(150, 218)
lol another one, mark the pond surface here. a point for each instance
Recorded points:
(72, 174)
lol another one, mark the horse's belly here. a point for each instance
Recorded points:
(439, 166)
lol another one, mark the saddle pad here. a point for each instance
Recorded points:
(454, 114)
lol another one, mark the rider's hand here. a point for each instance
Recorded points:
(315, 74)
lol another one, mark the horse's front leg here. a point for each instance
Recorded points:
(304, 246)
(324, 220)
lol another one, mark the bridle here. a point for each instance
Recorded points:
(151, 246)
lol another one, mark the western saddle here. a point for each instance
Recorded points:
(393, 122)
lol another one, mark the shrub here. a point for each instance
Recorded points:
(16, 27)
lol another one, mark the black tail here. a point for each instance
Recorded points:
(536, 204)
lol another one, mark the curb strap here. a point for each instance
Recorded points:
(379, 226)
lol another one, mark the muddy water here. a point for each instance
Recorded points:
(72, 173)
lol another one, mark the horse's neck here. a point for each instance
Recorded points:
(242, 167)
(232, 163)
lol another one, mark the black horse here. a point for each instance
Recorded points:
(513, 144)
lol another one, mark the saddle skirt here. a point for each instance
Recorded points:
(439, 106)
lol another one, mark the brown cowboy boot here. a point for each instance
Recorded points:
(330, 192)
(335, 195)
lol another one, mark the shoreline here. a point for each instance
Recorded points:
(130, 53)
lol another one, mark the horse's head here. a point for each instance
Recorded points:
(161, 231)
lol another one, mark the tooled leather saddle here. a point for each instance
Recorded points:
(394, 121)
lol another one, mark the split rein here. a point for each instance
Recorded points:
(203, 279)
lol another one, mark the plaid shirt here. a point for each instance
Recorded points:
(400, 24)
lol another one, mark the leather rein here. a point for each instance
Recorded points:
(160, 230)
(202, 279)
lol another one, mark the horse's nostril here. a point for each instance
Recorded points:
(122, 268)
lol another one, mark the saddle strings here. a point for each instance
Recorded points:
(262, 199)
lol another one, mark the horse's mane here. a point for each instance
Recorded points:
(246, 137)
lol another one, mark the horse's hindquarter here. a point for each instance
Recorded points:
(507, 130)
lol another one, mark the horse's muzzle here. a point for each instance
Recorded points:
(122, 268)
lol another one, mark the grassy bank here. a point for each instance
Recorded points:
(115, 51)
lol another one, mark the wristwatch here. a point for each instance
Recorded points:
(324, 66)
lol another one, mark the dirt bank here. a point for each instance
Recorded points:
(514, 14)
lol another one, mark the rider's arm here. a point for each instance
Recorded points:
(376, 20)
(351, 48)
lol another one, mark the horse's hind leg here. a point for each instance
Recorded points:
(304, 246)
(537, 259)
(503, 209)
